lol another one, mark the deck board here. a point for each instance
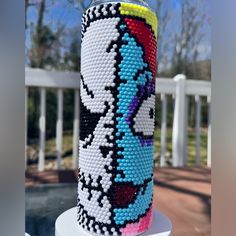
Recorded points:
(183, 194)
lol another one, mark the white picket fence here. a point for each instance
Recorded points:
(179, 87)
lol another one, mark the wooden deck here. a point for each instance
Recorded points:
(183, 194)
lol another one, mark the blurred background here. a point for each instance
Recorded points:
(183, 102)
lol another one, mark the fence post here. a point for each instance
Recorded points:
(179, 126)
(26, 124)
(76, 130)
(59, 127)
(198, 129)
(42, 129)
(209, 133)
(163, 130)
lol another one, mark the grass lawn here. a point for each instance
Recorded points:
(68, 142)
(191, 146)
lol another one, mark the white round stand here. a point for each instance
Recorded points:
(66, 225)
(27, 234)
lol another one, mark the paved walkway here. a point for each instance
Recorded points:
(183, 194)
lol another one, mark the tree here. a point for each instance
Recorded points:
(78, 4)
(28, 4)
(72, 62)
(43, 51)
(188, 38)
(72, 58)
(163, 14)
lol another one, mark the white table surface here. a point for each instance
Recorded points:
(66, 225)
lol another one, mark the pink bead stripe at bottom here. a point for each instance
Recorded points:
(140, 227)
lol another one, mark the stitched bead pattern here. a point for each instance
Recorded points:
(118, 70)
(140, 11)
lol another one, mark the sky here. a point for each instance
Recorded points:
(65, 13)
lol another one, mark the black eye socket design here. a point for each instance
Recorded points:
(88, 121)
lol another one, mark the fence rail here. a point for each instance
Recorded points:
(179, 87)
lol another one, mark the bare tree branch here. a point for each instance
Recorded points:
(163, 15)
(188, 38)
(29, 3)
(78, 4)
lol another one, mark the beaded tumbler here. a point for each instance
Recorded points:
(118, 71)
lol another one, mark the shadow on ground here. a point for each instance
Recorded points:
(180, 193)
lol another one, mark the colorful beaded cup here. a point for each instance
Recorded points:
(118, 71)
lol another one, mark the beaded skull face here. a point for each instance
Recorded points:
(117, 119)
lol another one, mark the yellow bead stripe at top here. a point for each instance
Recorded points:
(140, 11)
